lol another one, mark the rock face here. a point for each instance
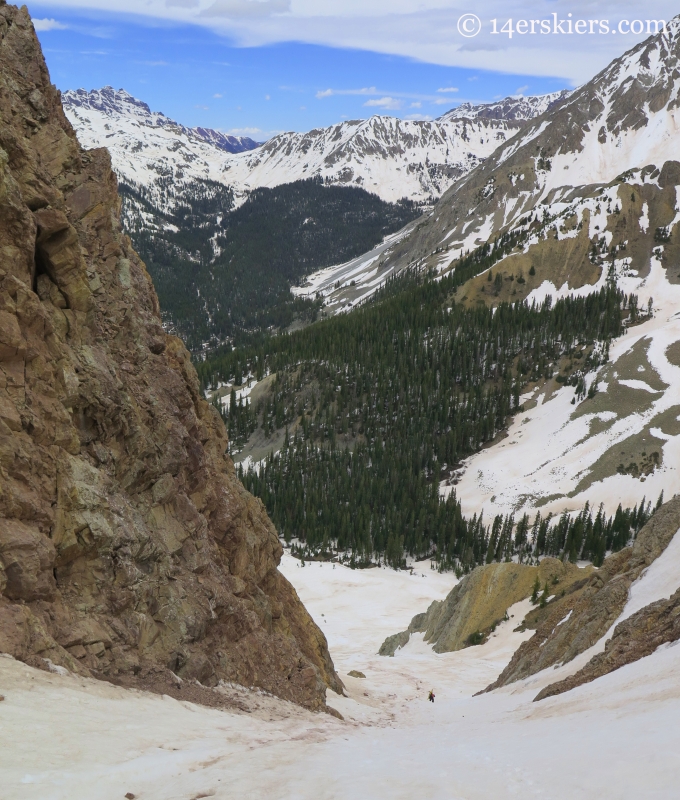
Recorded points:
(128, 548)
(578, 621)
(480, 601)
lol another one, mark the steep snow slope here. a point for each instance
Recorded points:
(390, 157)
(344, 286)
(511, 108)
(393, 743)
(623, 443)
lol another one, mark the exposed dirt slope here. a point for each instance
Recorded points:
(127, 545)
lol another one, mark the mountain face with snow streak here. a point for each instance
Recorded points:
(389, 157)
(515, 109)
(626, 118)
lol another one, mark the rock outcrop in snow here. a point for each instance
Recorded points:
(129, 550)
(580, 619)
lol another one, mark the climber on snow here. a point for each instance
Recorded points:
(430, 696)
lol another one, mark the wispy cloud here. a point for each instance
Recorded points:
(49, 25)
(447, 89)
(367, 90)
(386, 98)
(388, 103)
(425, 30)
(246, 9)
(245, 131)
(218, 96)
(521, 90)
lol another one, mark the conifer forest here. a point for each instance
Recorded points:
(380, 405)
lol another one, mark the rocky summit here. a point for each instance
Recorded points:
(128, 548)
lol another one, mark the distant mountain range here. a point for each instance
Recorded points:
(393, 158)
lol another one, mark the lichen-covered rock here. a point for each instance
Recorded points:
(480, 601)
(127, 544)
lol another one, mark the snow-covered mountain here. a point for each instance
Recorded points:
(510, 108)
(114, 103)
(161, 161)
(626, 118)
(588, 193)
(390, 157)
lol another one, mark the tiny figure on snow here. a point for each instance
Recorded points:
(430, 696)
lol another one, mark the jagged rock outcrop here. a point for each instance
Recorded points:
(480, 601)
(128, 548)
(578, 621)
(634, 638)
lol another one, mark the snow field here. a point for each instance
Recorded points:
(67, 737)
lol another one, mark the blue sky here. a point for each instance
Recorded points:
(245, 72)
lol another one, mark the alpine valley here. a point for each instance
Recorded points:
(294, 434)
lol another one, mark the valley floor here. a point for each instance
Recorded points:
(66, 737)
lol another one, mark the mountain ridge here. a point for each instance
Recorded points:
(394, 158)
(515, 108)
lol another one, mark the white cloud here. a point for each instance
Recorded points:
(218, 96)
(425, 117)
(448, 89)
(325, 93)
(203, 108)
(388, 103)
(267, 97)
(416, 105)
(522, 89)
(182, 3)
(49, 25)
(443, 101)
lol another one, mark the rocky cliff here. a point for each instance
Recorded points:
(128, 548)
